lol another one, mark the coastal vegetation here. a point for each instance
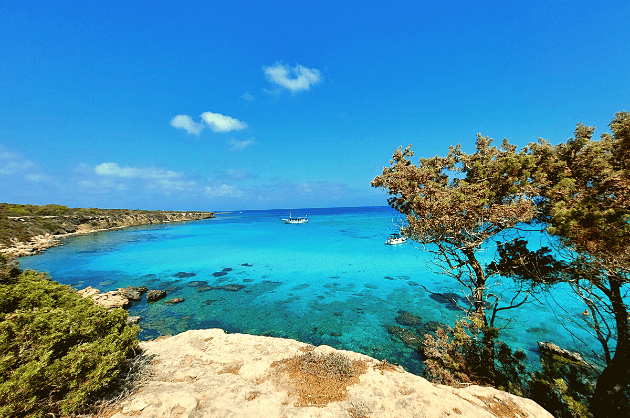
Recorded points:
(21, 223)
(56, 348)
(578, 193)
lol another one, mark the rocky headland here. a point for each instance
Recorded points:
(208, 373)
(29, 229)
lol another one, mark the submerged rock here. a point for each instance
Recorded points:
(552, 349)
(452, 301)
(232, 287)
(227, 287)
(197, 283)
(153, 295)
(175, 300)
(411, 338)
(408, 319)
(431, 327)
(183, 274)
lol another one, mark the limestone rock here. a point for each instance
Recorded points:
(153, 295)
(109, 300)
(551, 348)
(208, 373)
(133, 319)
(88, 291)
(133, 293)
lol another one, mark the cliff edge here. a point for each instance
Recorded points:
(208, 373)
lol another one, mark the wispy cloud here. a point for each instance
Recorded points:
(247, 96)
(237, 145)
(13, 164)
(115, 170)
(233, 175)
(224, 190)
(295, 79)
(186, 122)
(221, 123)
(118, 178)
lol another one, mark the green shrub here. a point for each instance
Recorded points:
(56, 348)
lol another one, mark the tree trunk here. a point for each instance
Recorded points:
(489, 333)
(479, 282)
(612, 393)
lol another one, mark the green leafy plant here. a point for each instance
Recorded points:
(56, 348)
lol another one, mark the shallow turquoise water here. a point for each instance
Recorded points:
(331, 281)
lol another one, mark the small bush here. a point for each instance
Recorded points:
(56, 348)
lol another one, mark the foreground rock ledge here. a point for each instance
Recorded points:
(208, 373)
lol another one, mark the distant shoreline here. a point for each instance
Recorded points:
(29, 229)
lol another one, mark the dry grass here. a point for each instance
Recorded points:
(501, 408)
(318, 379)
(105, 403)
(384, 366)
(231, 368)
(252, 395)
(359, 411)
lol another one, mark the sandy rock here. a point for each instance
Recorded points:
(35, 245)
(208, 373)
(89, 291)
(109, 300)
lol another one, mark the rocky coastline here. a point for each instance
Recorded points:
(209, 373)
(34, 239)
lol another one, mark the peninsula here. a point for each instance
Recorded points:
(31, 229)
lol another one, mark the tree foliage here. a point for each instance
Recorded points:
(56, 348)
(455, 204)
(578, 190)
(584, 187)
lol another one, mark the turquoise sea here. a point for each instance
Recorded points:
(331, 281)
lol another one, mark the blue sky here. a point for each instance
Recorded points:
(258, 105)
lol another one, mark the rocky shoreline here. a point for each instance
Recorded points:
(209, 373)
(65, 226)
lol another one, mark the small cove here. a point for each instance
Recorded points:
(331, 281)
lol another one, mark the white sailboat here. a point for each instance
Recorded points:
(298, 220)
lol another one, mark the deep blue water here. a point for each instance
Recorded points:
(331, 281)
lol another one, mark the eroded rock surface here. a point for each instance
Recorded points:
(108, 300)
(208, 373)
(153, 295)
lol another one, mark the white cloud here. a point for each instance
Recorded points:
(237, 145)
(223, 190)
(247, 96)
(12, 163)
(186, 122)
(220, 123)
(35, 178)
(233, 175)
(293, 78)
(114, 170)
(115, 177)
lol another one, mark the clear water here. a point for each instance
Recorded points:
(331, 281)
